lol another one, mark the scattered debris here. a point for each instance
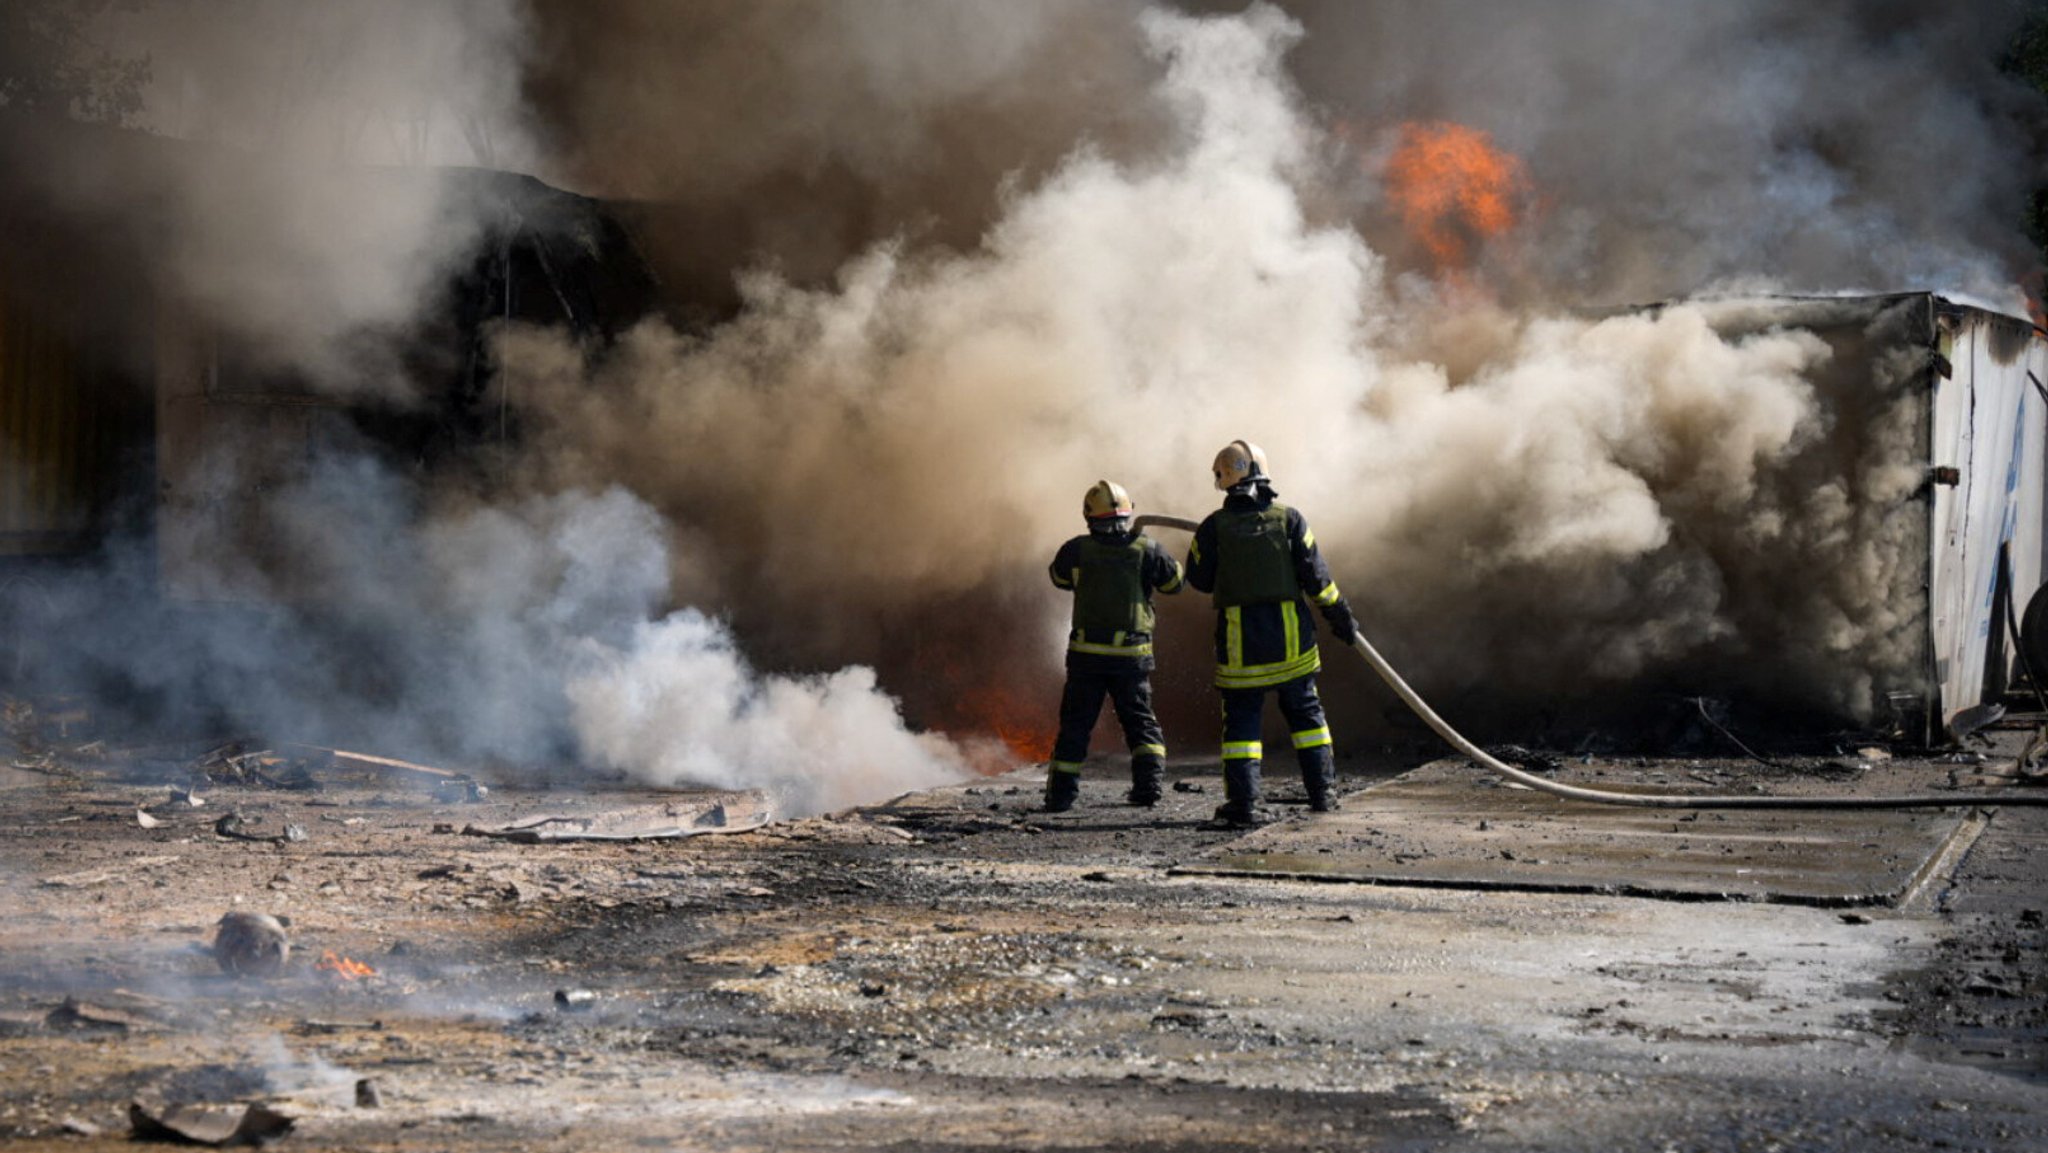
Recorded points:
(1972, 721)
(143, 818)
(574, 1000)
(313, 1026)
(368, 1095)
(251, 944)
(102, 876)
(460, 790)
(77, 1015)
(1187, 787)
(230, 765)
(2032, 764)
(446, 784)
(234, 826)
(216, 1125)
(83, 880)
(736, 813)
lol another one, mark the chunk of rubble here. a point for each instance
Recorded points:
(79, 1016)
(733, 813)
(221, 1126)
(235, 827)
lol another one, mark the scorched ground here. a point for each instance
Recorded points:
(954, 970)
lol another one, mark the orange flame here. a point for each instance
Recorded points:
(978, 702)
(1454, 189)
(1024, 730)
(347, 970)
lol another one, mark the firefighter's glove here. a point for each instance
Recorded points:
(1342, 623)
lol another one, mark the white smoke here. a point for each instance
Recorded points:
(679, 705)
(552, 640)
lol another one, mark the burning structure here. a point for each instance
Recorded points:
(480, 482)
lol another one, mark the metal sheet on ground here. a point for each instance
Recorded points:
(1451, 825)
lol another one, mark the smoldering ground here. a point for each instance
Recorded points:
(979, 257)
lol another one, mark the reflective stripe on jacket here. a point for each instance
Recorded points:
(1259, 560)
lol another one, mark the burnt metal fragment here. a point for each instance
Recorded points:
(251, 945)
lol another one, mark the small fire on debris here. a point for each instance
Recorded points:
(342, 967)
(1454, 189)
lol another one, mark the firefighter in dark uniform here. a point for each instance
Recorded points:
(1112, 572)
(1259, 560)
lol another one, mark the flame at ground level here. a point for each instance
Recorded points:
(343, 967)
(1022, 726)
(966, 701)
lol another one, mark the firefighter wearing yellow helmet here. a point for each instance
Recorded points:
(1112, 572)
(1257, 558)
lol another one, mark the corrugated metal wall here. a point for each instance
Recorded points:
(1991, 426)
(55, 441)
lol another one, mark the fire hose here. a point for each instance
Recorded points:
(1648, 800)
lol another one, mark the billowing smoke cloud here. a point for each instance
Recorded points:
(1582, 496)
(680, 705)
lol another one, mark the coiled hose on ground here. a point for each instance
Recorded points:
(1643, 800)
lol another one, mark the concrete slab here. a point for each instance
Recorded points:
(1451, 825)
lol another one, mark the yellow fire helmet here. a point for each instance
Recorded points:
(1106, 501)
(1239, 460)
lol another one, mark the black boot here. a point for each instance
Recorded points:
(1319, 777)
(1061, 790)
(1148, 774)
(1241, 792)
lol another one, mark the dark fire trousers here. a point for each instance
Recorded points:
(1242, 751)
(1129, 690)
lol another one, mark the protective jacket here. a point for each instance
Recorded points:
(1258, 559)
(1113, 579)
